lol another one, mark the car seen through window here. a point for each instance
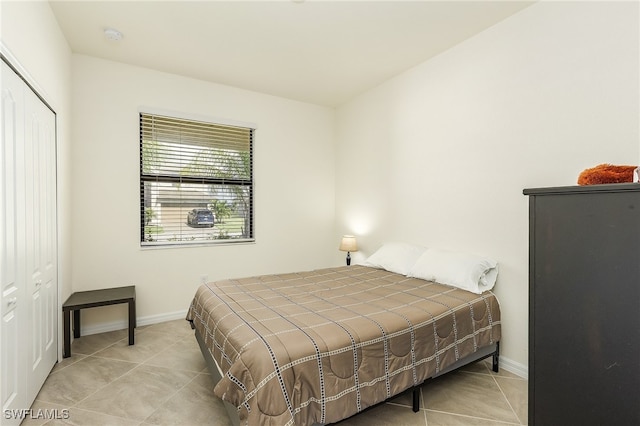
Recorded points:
(200, 218)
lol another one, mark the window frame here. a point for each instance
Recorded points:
(200, 180)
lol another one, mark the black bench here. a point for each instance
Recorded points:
(91, 299)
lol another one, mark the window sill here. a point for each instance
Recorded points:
(198, 244)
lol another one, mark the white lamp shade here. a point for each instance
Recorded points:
(348, 243)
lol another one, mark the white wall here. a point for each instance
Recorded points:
(294, 187)
(440, 154)
(34, 44)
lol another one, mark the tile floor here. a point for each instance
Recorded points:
(163, 380)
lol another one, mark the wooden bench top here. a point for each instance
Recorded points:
(102, 297)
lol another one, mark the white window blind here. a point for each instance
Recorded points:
(196, 181)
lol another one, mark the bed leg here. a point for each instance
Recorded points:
(416, 399)
(496, 356)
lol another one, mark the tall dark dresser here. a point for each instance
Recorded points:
(584, 305)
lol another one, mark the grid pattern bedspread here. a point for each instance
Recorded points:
(320, 346)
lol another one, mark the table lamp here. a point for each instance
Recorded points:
(348, 244)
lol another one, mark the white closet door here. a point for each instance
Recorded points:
(13, 308)
(28, 243)
(40, 218)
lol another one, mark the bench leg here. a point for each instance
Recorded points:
(76, 323)
(132, 321)
(67, 334)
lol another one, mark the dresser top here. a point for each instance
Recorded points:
(582, 189)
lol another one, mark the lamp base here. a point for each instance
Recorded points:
(348, 258)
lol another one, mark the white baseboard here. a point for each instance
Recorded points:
(141, 321)
(514, 367)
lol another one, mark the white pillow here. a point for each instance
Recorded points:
(466, 271)
(395, 257)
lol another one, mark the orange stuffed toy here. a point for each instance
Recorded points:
(606, 173)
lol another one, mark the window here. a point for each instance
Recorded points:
(196, 182)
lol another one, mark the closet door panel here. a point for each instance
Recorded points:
(13, 303)
(40, 214)
(49, 221)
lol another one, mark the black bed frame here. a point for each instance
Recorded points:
(482, 353)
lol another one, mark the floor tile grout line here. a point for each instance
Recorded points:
(124, 338)
(145, 362)
(136, 366)
(107, 384)
(105, 414)
(105, 347)
(494, 377)
(69, 365)
(118, 359)
(491, 374)
(504, 395)
(424, 407)
(171, 396)
(165, 349)
(97, 350)
(502, 422)
(108, 358)
(75, 404)
(509, 378)
(396, 404)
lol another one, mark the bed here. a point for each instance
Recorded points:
(319, 346)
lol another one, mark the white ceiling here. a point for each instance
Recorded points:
(323, 52)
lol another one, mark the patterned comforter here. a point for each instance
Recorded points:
(320, 346)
